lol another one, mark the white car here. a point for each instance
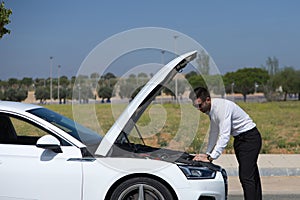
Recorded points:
(64, 160)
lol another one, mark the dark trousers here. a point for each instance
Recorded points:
(247, 146)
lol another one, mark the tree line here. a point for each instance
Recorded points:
(275, 84)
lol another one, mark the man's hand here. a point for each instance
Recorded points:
(201, 157)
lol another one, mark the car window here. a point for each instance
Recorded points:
(81, 133)
(23, 128)
(15, 130)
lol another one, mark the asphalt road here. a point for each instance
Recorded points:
(270, 197)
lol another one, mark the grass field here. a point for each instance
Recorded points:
(278, 123)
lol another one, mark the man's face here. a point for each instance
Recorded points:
(203, 106)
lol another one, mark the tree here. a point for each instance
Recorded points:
(298, 84)
(4, 19)
(83, 93)
(288, 80)
(95, 75)
(41, 93)
(245, 80)
(142, 78)
(191, 74)
(13, 82)
(73, 80)
(27, 82)
(127, 86)
(64, 85)
(107, 80)
(63, 94)
(109, 75)
(69, 93)
(142, 75)
(105, 93)
(215, 84)
(39, 82)
(136, 91)
(212, 82)
(3, 85)
(94, 79)
(1, 95)
(13, 94)
(64, 81)
(196, 80)
(132, 76)
(170, 89)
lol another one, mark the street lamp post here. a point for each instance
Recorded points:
(51, 62)
(79, 95)
(175, 44)
(58, 83)
(232, 88)
(175, 49)
(163, 63)
(255, 87)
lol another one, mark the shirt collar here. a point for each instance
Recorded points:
(209, 113)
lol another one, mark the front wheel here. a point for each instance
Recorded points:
(141, 188)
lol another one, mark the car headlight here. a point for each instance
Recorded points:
(192, 172)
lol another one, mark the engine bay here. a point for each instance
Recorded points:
(132, 150)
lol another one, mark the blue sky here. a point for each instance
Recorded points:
(236, 34)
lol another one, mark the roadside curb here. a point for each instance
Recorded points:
(270, 185)
(268, 164)
(279, 173)
(268, 171)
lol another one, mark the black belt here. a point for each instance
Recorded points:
(244, 133)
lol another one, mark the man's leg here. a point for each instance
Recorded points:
(247, 148)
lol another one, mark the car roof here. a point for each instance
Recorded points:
(17, 106)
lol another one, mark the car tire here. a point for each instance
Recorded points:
(141, 188)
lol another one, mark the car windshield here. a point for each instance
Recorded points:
(81, 133)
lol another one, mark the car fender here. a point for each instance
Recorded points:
(105, 172)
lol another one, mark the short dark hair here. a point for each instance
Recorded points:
(199, 92)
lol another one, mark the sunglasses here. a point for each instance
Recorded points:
(197, 105)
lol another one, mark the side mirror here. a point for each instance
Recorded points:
(49, 142)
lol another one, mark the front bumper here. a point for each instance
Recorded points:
(208, 189)
(214, 189)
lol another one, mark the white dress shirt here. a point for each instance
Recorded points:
(226, 118)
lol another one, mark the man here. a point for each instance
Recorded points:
(226, 119)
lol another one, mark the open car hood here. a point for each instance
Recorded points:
(125, 123)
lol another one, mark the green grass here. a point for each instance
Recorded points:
(164, 125)
(278, 123)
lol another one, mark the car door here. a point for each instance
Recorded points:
(29, 172)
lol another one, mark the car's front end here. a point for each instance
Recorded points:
(202, 180)
(211, 179)
(174, 169)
